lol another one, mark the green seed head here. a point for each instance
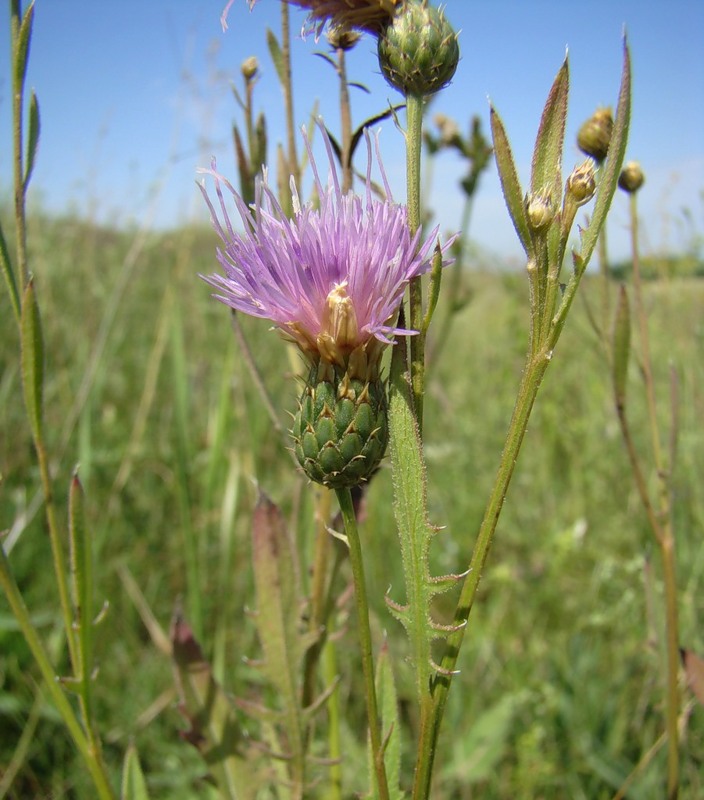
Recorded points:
(418, 50)
(340, 431)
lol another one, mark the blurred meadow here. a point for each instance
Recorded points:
(560, 693)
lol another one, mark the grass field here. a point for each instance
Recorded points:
(561, 686)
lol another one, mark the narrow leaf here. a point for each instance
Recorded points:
(614, 160)
(214, 727)
(510, 184)
(276, 55)
(621, 347)
(24, 38)
(9, 275)
(81, 561)
(32, 356)
(547, 156)
(33, 130)
(278, 617)
(390, 724)
(134, 786)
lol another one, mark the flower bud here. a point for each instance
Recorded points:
(249, 68)
(539, 210)
(418, 50)
(595, 134)
(342, 37)
(581, 184)
(631, 177)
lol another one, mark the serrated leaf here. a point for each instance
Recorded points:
(409, 503)
(33, 131)
(614, 160)
(32, 358)
(546, 170)
(276, 55)
(510, 185)
(134, 786)
(621, 347)
(215, 730)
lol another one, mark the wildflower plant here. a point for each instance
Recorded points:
(352, 281)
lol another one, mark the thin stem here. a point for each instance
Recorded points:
(414, 114)
(663, 530)
(334, 721)
(530, 383)
(288, 94)
(17, 148)
(345, 122)
(19, 609)
(318, 593)
(344, 498)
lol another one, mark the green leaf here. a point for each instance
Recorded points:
(32, 358)
(81, 561)
(621, 347)
(410, 511)
(134, 786)
(24, 38)
(33, 130)
(546, 169)
(279, 623)
(9, 275)
(510, 185)
(614, 161)
(276, 55)
(214, 727)
(390, 724)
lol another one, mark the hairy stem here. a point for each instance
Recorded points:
(414, 112)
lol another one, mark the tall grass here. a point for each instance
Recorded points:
(558, 694)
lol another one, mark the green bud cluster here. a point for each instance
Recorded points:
(340, 432)
(418, 50)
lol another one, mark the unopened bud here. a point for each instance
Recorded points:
(418, 50)
(581, 183)
(595, 134)
(342, 37)
(249, 68)
(631, 177)
(539, 210)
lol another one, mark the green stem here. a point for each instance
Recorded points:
(17, 148)
(288, 94)
(663, 530)
(334, 721)
(530, 383)
(414, 112)
(88, 753)
(344, 498)
(345, 122)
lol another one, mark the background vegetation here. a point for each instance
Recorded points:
(560, 692)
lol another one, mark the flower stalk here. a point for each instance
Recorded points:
(344, 497)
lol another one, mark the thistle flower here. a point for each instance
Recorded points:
(367, 15)
(331, 279)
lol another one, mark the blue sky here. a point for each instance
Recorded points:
(135, 95)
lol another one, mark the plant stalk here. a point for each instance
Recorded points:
(414, 113)
(344, 498)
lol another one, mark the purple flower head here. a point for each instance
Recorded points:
(332, 277)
